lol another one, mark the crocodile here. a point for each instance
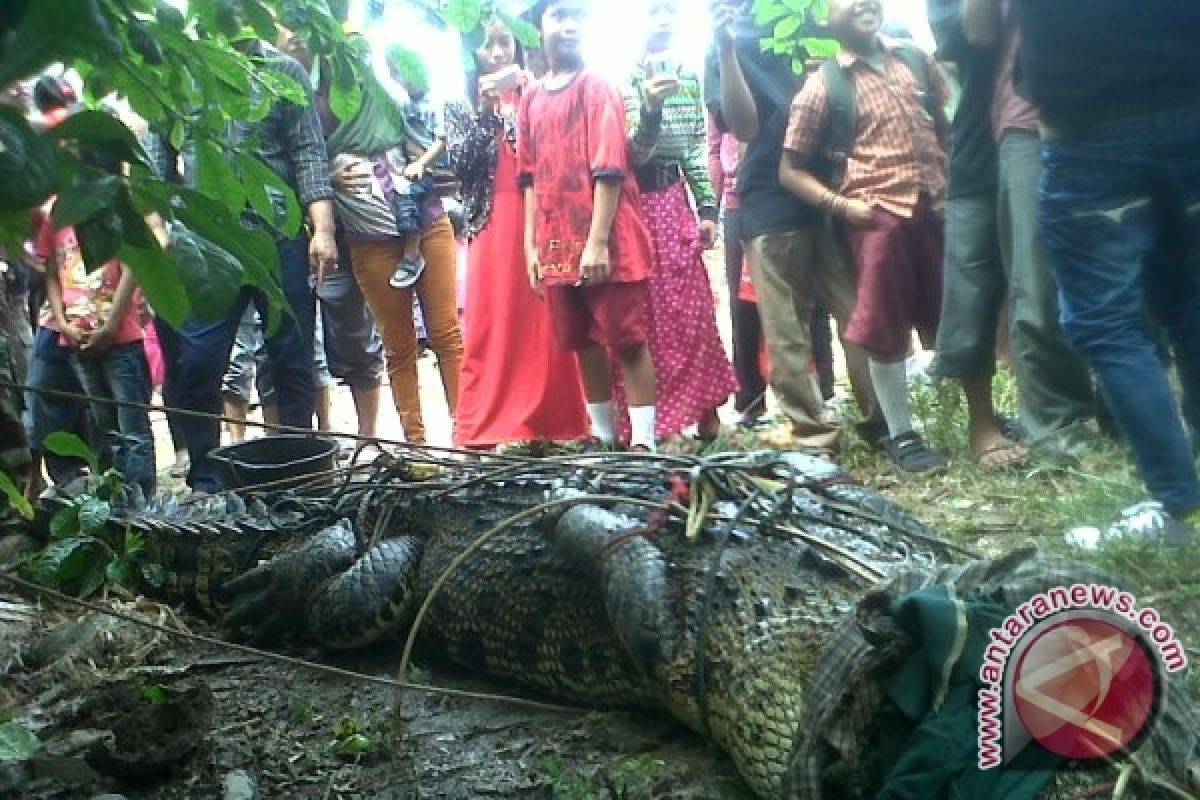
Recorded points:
(712, 588)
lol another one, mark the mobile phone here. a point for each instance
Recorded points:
(662, 68)
(506, 79)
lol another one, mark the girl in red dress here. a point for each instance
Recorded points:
(517, 383)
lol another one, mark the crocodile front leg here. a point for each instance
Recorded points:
(372, 600)
(270, 600)
(633, 578)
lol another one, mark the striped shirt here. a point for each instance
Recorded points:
(677, 136)
(896, 156)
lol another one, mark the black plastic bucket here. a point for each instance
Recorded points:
(283, 461)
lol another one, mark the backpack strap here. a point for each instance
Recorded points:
(840, 122)
(918, 63)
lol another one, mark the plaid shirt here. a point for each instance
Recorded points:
(896, 156)
(288, 139)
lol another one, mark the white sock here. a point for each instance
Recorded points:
(891, 387)
(601, 415)
(641, 420)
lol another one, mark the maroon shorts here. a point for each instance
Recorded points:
(607, 314)
(899, 282)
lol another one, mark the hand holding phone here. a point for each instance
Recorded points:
(661, 67)
(506, 79)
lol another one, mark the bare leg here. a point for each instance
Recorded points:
(366, 408)
(597, 377)
(237, 409)
(638, 371)
(324, 421)
(988, 444)
(270, 413)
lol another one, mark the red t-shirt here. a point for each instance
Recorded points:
(87, 297)
(566, 138)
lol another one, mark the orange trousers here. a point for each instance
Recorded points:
(374, 263)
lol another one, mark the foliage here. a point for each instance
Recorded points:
(187, 76)
(791, 24)
(86, 551)
(471, 18)
(17, 743)
(16, 498)
(630, 779)
(351, 740)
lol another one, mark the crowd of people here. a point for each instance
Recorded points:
(1051, 223)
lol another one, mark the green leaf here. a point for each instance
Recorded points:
(154, 575)
(346, 93)
(226, 64)
(798, 7)
(213, 277)
(159, 280)
(60, 563)
(767, 11)
(17, 743)
(100, 237)
(821, 48)
(84, 200)
(93, 514)
(819, 11)
(154, 694)
(65, 522)
(16, 497)
(117, 574)
(522, 31)
(254, 249)
(98, 129)
(91, 577)
(465, 15)
(355, 744)
(215, 176)
(259, 18)
(786, 28)
(68, 445)
(28, 164)
(255, 184)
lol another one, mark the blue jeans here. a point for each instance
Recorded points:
(204, 355)
(1120, 217)
(121, 373)
(50, 368)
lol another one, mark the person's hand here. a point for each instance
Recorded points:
(658, 89)
(415, 171)
(858, 213)
(99, 340)
(489, 96)
(322, 254)
(533, 269)
(74, 335)
(708, 233)
(594, 264)
(352, 176)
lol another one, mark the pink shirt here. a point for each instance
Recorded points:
(1010, 111)
(723, 151)
(87, 296)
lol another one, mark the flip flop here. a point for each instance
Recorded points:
(998, 457)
